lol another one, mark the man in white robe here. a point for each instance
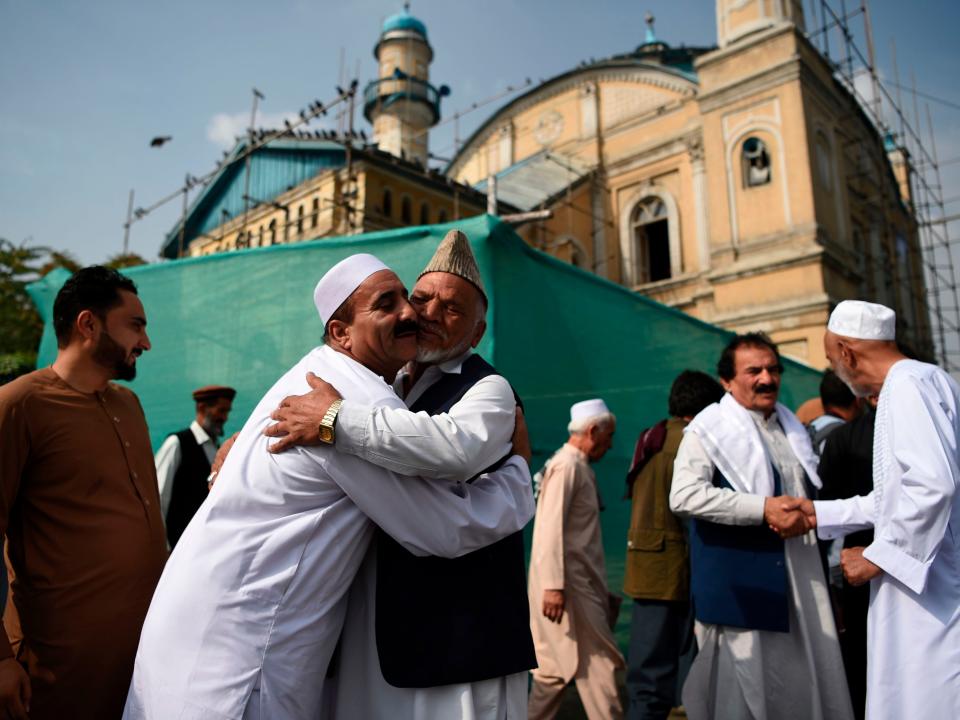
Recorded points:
(768, 644)
(913, 564)
(251, 604)
(470, 436)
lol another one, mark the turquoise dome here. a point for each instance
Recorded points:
(404, 21)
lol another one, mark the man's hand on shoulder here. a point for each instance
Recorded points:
(521, 438)
(298, 417)
(14, 690)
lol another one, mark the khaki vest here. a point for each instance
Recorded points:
(657, 564)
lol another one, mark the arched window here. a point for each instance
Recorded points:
(755, 159)
(387, 207)
(273, 232)
(315, 215)
(241, 242)
(406, 210)
(650, 231)
(260, 237)
(441, 216)
(300, 220)
(424, 214)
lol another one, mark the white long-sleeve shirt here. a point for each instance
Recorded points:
(254, 595)
(475, 433)
(914, 619)
(167, 460)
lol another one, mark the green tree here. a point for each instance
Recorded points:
(125, 260)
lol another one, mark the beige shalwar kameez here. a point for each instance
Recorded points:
(567, 555)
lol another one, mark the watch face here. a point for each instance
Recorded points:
(326, 434)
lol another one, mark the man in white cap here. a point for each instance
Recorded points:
(913, 563)
(570, 606)
(431, 637)
(251, 604)
(768, 645)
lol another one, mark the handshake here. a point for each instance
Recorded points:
(789, 516)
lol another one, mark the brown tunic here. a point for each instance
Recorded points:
(81, 511)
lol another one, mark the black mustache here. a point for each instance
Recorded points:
(766, 388)
(403, 327)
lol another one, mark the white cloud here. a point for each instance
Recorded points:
(223, 128)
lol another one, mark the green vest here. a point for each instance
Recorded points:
(657, 564)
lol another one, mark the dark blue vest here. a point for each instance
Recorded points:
(442, 621)
(738, 573)
(189, 486)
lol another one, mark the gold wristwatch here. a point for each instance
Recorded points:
(326, 429)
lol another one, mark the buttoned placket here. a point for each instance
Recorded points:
(124, 446)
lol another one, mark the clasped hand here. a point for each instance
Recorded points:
(789, 516)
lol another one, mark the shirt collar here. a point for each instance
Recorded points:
(453, 366)
(199, 434)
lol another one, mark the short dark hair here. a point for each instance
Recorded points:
(726, 366)
(691, 392)
(834, 391)
(344, 314)
(95, 288)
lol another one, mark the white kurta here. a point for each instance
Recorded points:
(251, 603)
(167, 461)
(913, 626)
(755, 674)
(472, 436)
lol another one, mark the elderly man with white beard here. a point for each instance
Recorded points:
(429, 637)
(913, 563)
(250, 606)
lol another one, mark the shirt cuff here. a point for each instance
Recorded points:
(751, 506)
(830, 519)
(898, 564)
(351, 432)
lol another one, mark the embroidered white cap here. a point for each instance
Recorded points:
(588, 409)
(339, 282)
(863, 320)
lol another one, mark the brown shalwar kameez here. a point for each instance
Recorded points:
(80, 509)
(567, 554)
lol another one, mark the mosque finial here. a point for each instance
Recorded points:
(651, 36)
(406, 6)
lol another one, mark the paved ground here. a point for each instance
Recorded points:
(572, 709)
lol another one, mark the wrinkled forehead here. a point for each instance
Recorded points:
(754, 356)
(372, 290)
(446, 286)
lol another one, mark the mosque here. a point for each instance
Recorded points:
(742, 184)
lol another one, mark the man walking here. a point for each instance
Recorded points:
(767, 641)
(80, 510)
(183, 461)
(570, 606)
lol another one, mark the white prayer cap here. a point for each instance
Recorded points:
(339, 282)
(863, 321)
(588, 409)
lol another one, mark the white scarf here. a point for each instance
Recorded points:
(732, 441)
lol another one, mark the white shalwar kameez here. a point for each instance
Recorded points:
(251, 603)
(742, 674)
(913, 626)
(473, 435)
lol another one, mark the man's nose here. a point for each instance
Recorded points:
(145, 343)
(407, 312)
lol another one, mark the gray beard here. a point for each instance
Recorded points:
(435, 357)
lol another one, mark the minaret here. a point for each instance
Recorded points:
(738, 18)
(402, 104)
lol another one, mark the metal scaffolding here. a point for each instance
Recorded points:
(841, 30)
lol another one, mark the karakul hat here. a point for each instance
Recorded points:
(588, 409)
(339, 282)
(455, 256)
(213, 392)
(863, 321)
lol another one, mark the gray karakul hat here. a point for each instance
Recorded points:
(455, 256)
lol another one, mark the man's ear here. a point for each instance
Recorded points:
(725, 384)
(478, 333)
(847, 354)
(339, 332)
(86, 324)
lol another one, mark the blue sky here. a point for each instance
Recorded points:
(85, 85)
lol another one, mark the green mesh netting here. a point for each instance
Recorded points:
(558, 333)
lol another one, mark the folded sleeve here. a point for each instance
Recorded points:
(438, 517)
(455, 445)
